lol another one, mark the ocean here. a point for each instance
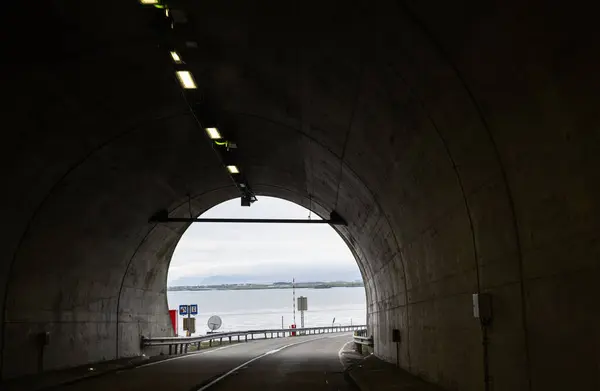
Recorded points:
(260, 309)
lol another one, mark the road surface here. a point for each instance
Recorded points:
(290, 364)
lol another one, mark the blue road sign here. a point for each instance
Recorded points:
(194, 309)
(183, 309)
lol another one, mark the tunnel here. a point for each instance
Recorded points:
(459, 141)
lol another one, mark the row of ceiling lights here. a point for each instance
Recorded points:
(186, 80)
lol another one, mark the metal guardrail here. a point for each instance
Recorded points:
(361, 339)
(181, 344)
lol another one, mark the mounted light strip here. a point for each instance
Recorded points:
(176, 58)
(233, 169)
(213, 133)
(186, 79)
(149, 2)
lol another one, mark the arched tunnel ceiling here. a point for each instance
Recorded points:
(458, 140)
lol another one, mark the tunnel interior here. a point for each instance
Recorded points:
(460, 142)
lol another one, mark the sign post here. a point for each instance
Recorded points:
(302, 306)
(189, 323)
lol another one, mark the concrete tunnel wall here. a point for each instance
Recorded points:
(469, 138)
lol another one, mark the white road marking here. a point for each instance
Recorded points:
(341, 351)
(217, 349)
(270, 352)
(184, 356)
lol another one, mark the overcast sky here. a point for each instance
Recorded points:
(221, 253)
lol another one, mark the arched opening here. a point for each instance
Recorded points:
(458, 139)
(244, 272)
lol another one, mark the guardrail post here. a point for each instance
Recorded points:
(246, 338)
(210, 342)
(230, 339)
(186, 347)
(265, 335)
(221, 341)
(252, 335)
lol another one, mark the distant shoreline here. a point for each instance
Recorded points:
(276, 285)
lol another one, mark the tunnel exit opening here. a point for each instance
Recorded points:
(258, 276)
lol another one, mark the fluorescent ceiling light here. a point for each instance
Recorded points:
(213, 133)
(176, 57)
(186, 79)
(233, 169)
(149, 1)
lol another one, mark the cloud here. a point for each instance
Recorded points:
(260, 249)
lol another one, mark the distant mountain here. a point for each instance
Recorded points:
(212, 280)
(328, 276)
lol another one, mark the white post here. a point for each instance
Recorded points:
(294, 297)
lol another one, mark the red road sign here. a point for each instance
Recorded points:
(173, 315)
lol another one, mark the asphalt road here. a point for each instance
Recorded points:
(300, 363)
